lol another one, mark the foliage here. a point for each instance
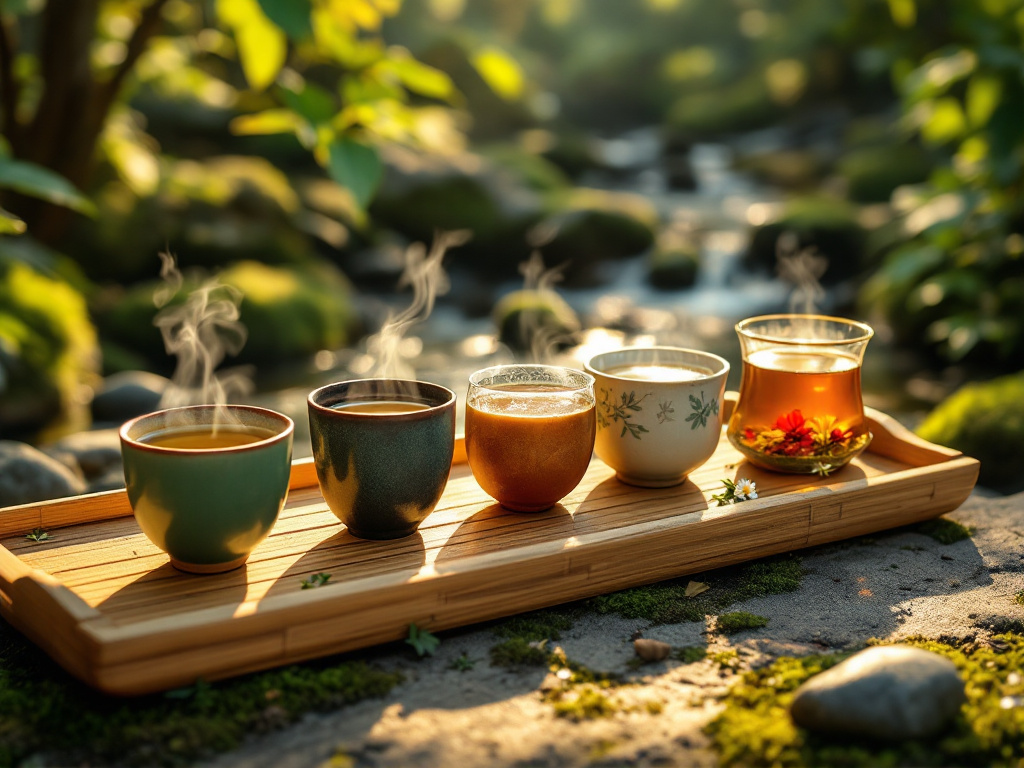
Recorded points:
(755, 729)
(957, 284)
(48, 349)
(986, 421)
(422, 641)
(44, 710)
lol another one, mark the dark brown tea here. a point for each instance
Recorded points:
(381, 407)
(206, 438)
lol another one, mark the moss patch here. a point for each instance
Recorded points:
(944, 531)
(739, 621)
(690, 654)
(44, 709)
(1019, 597)
(666, 603)
(519, 652)
(755, 729)
(585, 703)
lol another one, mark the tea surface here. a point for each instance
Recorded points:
(381, 407)
(529, 445)
(660, 372)
(206, 438)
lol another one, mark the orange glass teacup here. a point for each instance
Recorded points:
(529, 432)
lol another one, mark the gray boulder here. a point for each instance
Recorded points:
(128, 394)
(886, 692)
(96, 452)
(28, 475)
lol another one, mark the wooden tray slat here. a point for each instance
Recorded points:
(107, 605)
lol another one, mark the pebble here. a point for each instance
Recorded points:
(884, 692)
(651, 650)
(128, 394)
(97, 452)
(28, 475)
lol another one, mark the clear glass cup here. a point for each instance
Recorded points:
(530, 432)
(800, 408)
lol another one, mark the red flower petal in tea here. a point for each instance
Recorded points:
(790, 422)
(839, 436)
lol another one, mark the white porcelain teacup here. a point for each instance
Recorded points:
(659, 411)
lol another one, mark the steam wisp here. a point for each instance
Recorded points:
(544, 337)
(200, 333)
(803, 267)
(428, 280)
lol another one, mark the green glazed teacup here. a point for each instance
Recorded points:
(207, 499)
(383, 450)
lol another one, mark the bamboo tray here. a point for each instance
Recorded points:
(107, 605)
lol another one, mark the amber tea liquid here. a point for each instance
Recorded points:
(206, 437)
(529, 445)
(799, 410)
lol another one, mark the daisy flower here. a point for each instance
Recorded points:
(745, 489)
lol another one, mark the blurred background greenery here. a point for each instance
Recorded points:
(664, 153)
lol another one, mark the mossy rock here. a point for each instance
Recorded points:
(48, 351)
(742, 106)
(535, 320)
(421, 194)
(590, 226)
(829, 227)
(208, 214)
(289, 312)
(872, 173)
(986, 421)
(674, 263)
(792, 169)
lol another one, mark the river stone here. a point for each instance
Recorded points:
(886, 692)
(97, 452)
(28, 475)
(128, 394)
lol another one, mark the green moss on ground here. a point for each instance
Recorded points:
(667, 603)
(690, 654)
(519, 652)
(739, 621)
(43, 709)
(585, 703)
(755, 729)
(944, 530)
(1019, 597)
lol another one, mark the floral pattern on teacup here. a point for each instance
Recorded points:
(612, 410)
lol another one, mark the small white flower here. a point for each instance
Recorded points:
(745, 489)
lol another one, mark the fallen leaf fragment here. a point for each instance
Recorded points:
(694, 588)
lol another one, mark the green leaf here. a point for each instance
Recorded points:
(984, 93)
(357, 167)
(266, 122)
(500, 71)
(945, 123)
(10, 224)
(35, 181)
(292, 16)
(421, 79)
(904, 12)
(316, 580)
(312, 102)
(422, 641)
(262, 46)
(37, 535)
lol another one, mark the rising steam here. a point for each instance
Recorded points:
(428, 280)
(544, 332)
(803, 267)
(200, 333)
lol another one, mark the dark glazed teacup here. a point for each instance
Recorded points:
(382, 468)
(207, 507)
